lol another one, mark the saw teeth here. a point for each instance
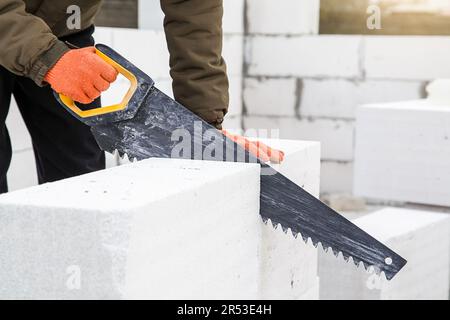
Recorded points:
(326, 248)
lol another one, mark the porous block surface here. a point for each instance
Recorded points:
(288, 264)
(159, 228)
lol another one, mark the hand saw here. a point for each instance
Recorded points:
(148, 123)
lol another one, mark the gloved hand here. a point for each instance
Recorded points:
(257, 148)
(81, 75)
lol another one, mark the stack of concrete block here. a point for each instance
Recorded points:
(421, 237)
(402, 152)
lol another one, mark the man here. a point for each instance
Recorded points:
(40, 53)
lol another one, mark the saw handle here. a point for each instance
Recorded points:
(69, 104)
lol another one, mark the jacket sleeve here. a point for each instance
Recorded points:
(194, 38)
(28, 47)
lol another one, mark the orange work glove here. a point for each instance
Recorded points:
(258, 149)
(81, 75)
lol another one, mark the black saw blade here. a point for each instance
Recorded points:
(160, 128)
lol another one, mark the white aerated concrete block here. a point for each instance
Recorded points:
(267, 97)
(336, 177)
(289, 266)
(283, 16)
(233, 53)
(421, 237)
(146, 49)
(304, 56)
(235, 107)
(335, 98)
(439, 91)
(20, 138)
(402, 152)
(412, 58)
(233, 124)
(22, 172)
(233, 16)
(104, 35)
(313, 293)
(154, 229)
(150, 15)
(336, 136)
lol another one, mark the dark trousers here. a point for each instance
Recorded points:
(63, 146)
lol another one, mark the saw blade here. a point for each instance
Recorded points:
(164, 128)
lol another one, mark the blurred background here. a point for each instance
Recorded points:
(356, 75)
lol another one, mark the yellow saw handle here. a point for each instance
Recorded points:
(83, 114)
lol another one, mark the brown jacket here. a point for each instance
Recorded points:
(29, 32)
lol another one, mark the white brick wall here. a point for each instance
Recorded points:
(233, 16)
(412, 58)
(332, 98)
(147, 50)
(336, 137)
(283, 16)
(270, 97)
(233, 50)
(327, 77)
(22, 172)
(305, 56)
(336, 177)
(151, 16)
